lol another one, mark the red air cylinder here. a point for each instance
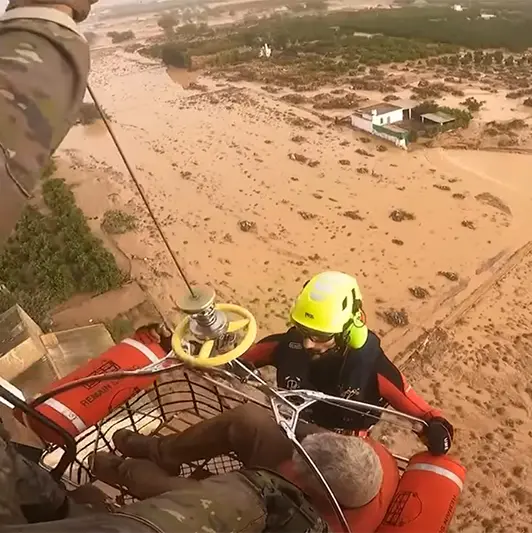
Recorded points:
(426, 497)
(81, 407)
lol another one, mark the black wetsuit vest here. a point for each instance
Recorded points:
(349, 373)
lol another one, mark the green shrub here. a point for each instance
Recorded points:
(116, 222)
(50, 168)
(472, 104)
(50, 257)
(120, 328)
(174, 56)
(120, 36)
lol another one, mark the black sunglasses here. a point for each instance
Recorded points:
(315, 336)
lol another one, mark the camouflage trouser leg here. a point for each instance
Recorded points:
(26, 490)
(249, 431)
(10, 512)
(225, 503)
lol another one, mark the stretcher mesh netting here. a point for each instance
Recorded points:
(176, 401)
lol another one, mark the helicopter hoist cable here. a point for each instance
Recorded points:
(141, 192)
(207, 321)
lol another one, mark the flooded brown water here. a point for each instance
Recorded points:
(182, 76)
(212, 164)
(211, 160)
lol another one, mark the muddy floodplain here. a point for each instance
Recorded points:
(256, 194)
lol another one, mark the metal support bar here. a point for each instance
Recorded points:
(344, 402)
(69, 448)
(287, 414)
(288, 423)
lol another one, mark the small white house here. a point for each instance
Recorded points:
(379, 120)
(382, 114)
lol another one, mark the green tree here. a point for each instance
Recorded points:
(168, 22)
(472, 104)
(173, 55)
(427, 106)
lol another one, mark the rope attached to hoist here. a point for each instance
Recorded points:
(141, 192)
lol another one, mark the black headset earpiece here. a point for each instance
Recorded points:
(357, 308)
(357, 302)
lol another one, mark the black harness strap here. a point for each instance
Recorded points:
(287, 507)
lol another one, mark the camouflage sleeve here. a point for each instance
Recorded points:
(43, 76)
(26, 490)
(10, 512)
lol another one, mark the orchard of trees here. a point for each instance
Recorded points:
(481, 59)
(171, 53)
(428, 28)
(510, 28)
(54, 255)
(299, 37)
(336, 43)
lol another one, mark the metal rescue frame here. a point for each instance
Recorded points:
(181, 397)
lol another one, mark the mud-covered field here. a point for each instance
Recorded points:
(256, 194)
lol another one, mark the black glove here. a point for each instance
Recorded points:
(438, 435)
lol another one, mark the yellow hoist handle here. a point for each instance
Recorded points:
(205, 357)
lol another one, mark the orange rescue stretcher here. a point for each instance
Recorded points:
(137, 386)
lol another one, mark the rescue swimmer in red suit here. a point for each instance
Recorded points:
(330, 349)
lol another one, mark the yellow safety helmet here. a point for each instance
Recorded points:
(331, 303)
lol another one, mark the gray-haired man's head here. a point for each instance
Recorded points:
(350, 466)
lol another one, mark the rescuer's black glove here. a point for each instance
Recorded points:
(438, 435)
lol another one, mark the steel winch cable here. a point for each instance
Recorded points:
(140, 191)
